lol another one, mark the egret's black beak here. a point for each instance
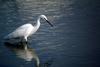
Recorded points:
(49, 23)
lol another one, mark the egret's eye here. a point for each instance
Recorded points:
(44, 18)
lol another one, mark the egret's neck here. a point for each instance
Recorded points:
(38, 21)
(37, 24)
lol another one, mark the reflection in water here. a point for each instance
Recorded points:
(23, 51)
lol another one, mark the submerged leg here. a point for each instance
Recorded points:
(25, 40)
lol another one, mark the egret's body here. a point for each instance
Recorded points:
(26, 30)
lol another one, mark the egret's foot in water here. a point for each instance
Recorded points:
(23, 42)
(27, 42)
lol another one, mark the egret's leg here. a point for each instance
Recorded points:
(25, 39)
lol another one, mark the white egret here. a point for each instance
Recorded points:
(26, 30)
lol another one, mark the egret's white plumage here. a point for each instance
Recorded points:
(26, 30)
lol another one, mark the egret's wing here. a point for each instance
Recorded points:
(19, 32)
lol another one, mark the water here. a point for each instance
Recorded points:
(72, 42)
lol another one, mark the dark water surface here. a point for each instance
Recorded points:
(72, 42)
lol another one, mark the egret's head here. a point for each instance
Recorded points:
(45, 18)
